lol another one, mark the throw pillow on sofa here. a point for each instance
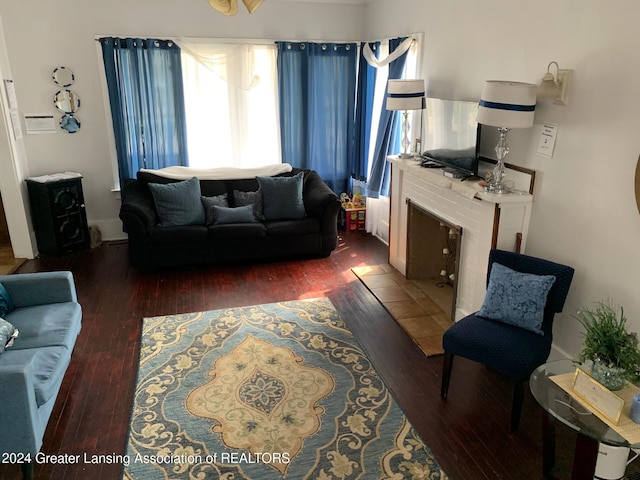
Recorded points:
(178, 203)
(6, 304)
(282, 197)
(8, 333)
(240, 199)
(209, 202)
(226, 215)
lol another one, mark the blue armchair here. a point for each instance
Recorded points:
(48, 317)
(502, 346)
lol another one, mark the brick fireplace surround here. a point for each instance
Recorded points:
(485, 220)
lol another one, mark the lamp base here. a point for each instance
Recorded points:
(405, 156)
(496, 185)
(497, 188)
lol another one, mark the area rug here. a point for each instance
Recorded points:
(266, 392)
(414, 305)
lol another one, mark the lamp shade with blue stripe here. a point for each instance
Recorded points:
(405, 95)
(507, 104)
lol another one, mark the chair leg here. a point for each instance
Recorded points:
(516, 407)
(447, 365)
(27, 471)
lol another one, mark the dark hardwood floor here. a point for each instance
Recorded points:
(468, 433)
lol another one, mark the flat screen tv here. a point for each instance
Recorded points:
(451, 136)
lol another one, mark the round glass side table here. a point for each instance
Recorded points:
(561, 406)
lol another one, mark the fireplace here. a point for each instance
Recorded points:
(433, 244)
(481, 220)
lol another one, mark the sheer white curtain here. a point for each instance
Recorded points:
(231, 104)
(377, 220)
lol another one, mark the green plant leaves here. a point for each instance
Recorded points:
(606, 337)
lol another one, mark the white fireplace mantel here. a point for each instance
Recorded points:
(487, 221)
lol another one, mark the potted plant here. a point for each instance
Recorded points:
(607, 343)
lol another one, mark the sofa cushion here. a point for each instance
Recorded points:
(187, 234)
(6, 304)
(282, 197)
(8, 333)
(178, 203)
(237, 230)
(293, 227)
(209, 202)
(227, 215)
(56, 324)
(240, 199)
(46, 366)
(49, 367)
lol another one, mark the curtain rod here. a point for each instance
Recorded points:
(261, 41)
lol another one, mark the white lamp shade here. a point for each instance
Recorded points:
(507, 104)
(405, 95)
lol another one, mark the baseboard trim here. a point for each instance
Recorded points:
(110, 229)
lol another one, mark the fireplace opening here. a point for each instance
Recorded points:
(433, 246)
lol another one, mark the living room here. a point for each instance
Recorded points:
(581, 210)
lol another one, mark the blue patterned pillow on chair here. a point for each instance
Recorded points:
(516, 298)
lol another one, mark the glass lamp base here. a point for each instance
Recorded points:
(497, 188)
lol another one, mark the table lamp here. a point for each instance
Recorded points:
(505, 105)
(405, 95)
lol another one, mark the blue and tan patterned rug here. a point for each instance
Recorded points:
(266, 392)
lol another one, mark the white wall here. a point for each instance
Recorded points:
(584, 211)
(13, 168)
(41, 35)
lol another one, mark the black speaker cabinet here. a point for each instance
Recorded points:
(58, 215)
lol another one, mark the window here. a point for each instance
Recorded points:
(231, 104)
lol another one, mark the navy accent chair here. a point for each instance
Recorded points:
(509, 350)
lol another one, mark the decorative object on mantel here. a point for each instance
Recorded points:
(609, 346)
(230, 7)
(505, 105)
(556, 87)
(405, 95)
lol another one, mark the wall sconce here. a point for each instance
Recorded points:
(556, 87)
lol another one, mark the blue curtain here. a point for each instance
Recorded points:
(388, 133)
(316, 86)
(144, 79)
(364, 114)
